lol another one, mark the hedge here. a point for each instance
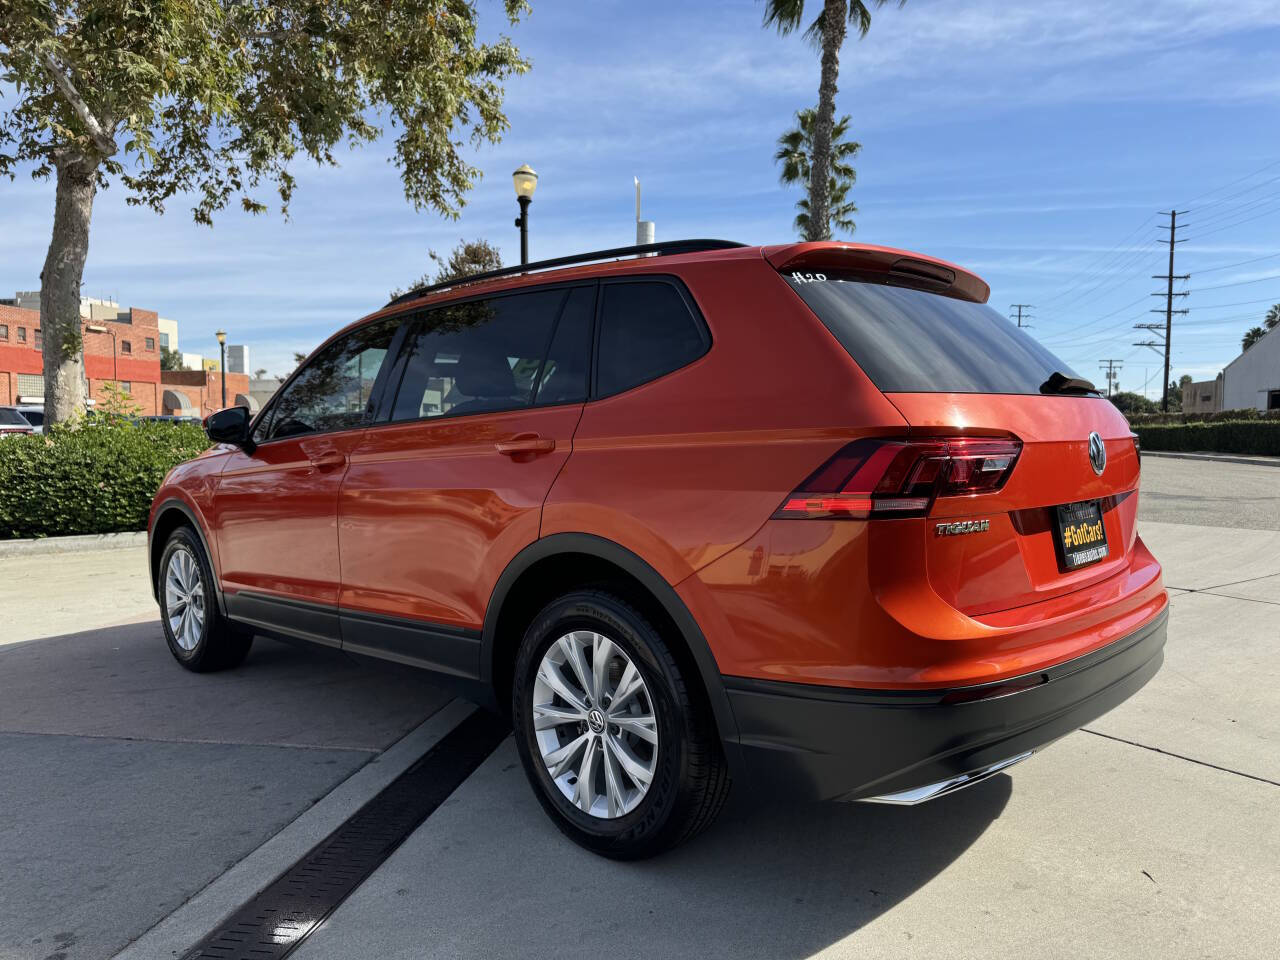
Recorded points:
(1139, 419)
(1258, 436)
(96, 478)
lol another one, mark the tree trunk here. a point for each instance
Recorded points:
(835, 18)
(64, 397)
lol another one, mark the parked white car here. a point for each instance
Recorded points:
(11, 421)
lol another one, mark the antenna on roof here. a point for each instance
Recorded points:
(644, 228)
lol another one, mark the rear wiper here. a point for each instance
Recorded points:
(1059, 382)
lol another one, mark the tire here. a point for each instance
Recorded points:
(199, 636)
(611, 810)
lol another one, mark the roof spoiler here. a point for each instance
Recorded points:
(902, 266)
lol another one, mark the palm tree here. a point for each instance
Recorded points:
(1251, 337)
(794, 150)
(1273, 316)
(828, 32)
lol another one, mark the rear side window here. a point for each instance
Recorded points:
(646, 330)
(479, 356)
(34, 417)
(910, 341)
(12, 418)
(564, 372)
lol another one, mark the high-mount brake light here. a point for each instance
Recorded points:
(901, 478)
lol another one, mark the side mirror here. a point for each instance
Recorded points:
(230, 426)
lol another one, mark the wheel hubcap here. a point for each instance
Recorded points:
(594, 722)
(184, 599)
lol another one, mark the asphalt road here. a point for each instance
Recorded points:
(142, 803)
(1210, 493)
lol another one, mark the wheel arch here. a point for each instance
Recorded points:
(551, 565)
(170, 515)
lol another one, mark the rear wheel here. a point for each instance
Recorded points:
(621, 756)
(199, 637)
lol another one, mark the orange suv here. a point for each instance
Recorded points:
(811, 516)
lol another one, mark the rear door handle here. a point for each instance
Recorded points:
(525, 443)
(329, 460)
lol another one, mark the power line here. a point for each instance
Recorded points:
(1238, 283)
(1228, 226)
(1242, 263)
(1094, 267)
(1262, 169)
(1020, 307)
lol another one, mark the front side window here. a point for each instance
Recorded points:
(333, 390)
(479, 356)
(646, 330)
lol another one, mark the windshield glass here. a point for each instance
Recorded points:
(12, 418)
(910, 341)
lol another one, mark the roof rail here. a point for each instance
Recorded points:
(670, 248)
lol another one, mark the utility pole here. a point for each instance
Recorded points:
(1112, 370)
(1168, 310)
(1019, 317)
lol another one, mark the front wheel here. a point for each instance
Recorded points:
(620, 753)
(199, 636)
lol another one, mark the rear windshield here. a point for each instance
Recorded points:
(910, 341)
(12, 418)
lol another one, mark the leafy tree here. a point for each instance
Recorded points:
(170, 359)
(1128, 402)
(260, 373)
(213, 99)
(1175, 396)
(468, 258)
(795, 147)
(827, 32)
(1273, 316)
(1252, 336)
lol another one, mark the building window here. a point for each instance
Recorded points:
(126, 386)
(126, 346)
(151, 343)
(4, 331)
(164, 341)
(39, 338)
(22, 334)
(1273, 400)
(30, 385)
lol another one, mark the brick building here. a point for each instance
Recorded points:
(119, 345)
(198, 393)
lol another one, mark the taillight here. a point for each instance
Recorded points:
(900, 478)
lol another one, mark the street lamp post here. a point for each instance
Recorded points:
(526, 181)
(222, 370)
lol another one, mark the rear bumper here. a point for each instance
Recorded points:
(837, 743)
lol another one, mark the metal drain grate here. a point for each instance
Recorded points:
(279, 918)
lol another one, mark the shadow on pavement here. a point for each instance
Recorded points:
(489, 876)
(122, 682)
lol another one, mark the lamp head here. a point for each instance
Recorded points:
(222, 336)
(525, 180)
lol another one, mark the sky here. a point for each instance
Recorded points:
(1032, 143)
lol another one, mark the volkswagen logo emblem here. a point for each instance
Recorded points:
(595, 720)
(1097, 454)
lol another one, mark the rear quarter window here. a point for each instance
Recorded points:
(647, 329)
(912, 341)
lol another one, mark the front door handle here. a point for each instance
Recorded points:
(329, 460)
(525, 443)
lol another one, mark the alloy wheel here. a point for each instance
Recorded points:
(184, 599)
(595, 725)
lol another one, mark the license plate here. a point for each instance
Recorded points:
(1082, 537)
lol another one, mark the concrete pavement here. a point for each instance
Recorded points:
(143, 803)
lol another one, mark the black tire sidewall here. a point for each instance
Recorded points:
(184, 538)
(604, 614)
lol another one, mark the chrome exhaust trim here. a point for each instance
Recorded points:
(907, 798)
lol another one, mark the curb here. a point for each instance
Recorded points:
(1215, 458)
(81, 544)
(175, 934)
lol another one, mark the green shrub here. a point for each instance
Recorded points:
(96, 478)
(1249, 413)
(1256, 436)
